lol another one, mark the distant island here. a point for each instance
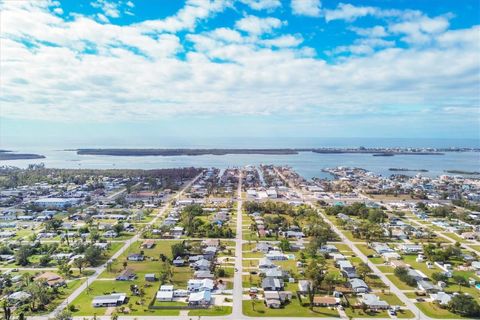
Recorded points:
(265, 151)
(8, 155)
(405, 169)
(181, 152)
(463, 172)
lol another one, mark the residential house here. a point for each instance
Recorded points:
(135, 257)
(195, 285)
(325, 301)
(111, 300)
(51, 278)
(373, 302)
(200, 298)
(272, 284)
(358, 285)
(165, 293)
(126, 275)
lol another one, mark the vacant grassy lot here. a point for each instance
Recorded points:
(434, 311)
(212, 311)
(292, 309)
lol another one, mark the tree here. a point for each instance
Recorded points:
(284, 245)
(44, 260)
(363, 270)
(93, 255)
(118, 228)
(166, 273)
(402, 274)
(22, 255)
(80, 263)
(40, 295)
(464, 305)
(64, 268)
(7, 312)
(64, 315)
(330, 281)
(53, 224)
(315, 273)
(178, 250)
(439, 276)
(461, 281)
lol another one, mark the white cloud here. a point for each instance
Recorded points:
(102, 18)
(283, 41)
(364, 46)
(420, 29)
(262, 4)
(257, 26)
(374, 32)
(58, 10)
(348, 12)
(130, 4)
(96, 71)
(110, 9)
(188, 17)
(309, 8)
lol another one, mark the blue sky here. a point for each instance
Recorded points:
(142, 70)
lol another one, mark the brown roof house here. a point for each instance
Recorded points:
(51, 278)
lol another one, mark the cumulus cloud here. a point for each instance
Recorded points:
(257, 26)
(188, 17)
(309, 8)
(109, 8)
(348, 12)
(420, 29)
(262, 4)
(78, 68)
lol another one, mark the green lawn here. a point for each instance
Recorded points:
(212, 311)
(434, 311)
(139, 305)
(455, 237)
(365, 249)
(342, 247)
(292, 309)
(386, 269)
(399, 284)
(147, 266)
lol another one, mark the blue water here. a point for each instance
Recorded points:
(307, 164)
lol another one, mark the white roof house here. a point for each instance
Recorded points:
(201, 297)
(374, 302)
(110, 300)
(164, 295)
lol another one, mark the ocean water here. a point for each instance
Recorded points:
(307, 164)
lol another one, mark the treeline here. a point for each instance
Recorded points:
(440, 212)
(194, 225)
(374, 215)
(11, 177)
(466, 204)
(270, 207)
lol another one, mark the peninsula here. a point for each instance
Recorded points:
(265, 151)
(8, 155)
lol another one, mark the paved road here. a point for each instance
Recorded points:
(102, 268)
(237, 277)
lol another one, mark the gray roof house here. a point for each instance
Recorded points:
(358, 285)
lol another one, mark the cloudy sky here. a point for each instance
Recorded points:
(297, 68)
